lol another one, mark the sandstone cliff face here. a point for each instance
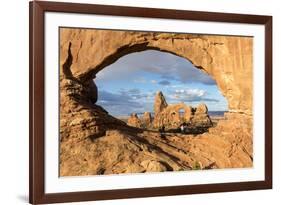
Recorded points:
(79, 117)
(93, 142)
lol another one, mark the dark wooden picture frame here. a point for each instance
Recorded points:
(37, 95)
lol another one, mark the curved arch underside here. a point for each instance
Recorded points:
(228, 59)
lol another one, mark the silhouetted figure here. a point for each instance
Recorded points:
(162, 132)
(183, 127)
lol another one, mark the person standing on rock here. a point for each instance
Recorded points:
(182, 128)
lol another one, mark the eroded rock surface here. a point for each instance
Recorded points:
(134, 121)
(159, 103)
(147, 119)
(201, 117)
(171, 117)
(228, 145)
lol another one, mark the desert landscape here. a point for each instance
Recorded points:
(169, 136)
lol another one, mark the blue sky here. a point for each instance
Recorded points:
(129, 85)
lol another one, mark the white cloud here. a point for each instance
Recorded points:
(126, 101)
(190, 95)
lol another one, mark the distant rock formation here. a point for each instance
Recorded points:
(201, 109)
(159, 103)
(171, 116)
(147, 119)
(134, 121)
(201, 117)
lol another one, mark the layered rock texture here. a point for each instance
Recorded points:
(93, 142)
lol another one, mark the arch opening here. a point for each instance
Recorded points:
(132, 83)
(181, 112)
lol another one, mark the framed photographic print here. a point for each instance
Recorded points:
(139, 102)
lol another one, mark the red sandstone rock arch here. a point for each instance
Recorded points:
(86, 128)
(228, 59)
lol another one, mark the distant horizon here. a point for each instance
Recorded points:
(130, 84)
(141, 113)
